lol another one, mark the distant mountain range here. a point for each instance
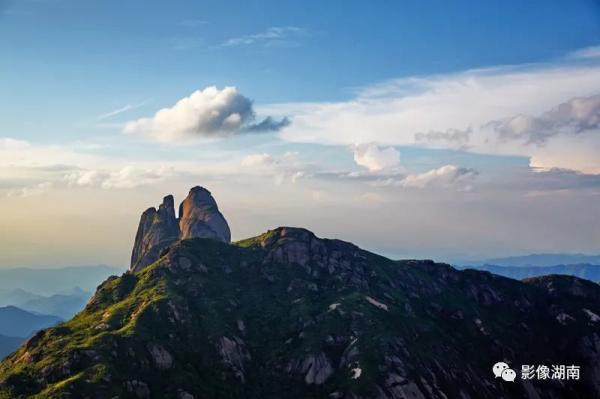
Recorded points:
(521, 267)
(33, 299)
(15, 322)
(8, 345)
(540, 260)
(47, 282)
(588, 272)
(64, 305)
(287, 314)
(16, 325)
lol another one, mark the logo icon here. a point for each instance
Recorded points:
(509, 375)
(502, 370)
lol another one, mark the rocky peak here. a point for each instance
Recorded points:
(158, 229)
(199, 216)
(167, 208)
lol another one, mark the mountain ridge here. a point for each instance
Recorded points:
(535, 260)
(289, 314)
(584, 271)
(286, 313)
(17, 322)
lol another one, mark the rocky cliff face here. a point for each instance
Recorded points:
(288, 314)
(157, 230)
(199, 217)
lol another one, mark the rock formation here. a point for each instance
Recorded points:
(157, 230)
(199, 216)
(290, 315)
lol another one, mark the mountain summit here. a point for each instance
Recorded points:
(287, 314)
(199, 217)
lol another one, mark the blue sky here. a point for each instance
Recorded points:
(413, 116)
(94, 57)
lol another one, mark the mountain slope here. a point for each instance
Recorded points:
(287, 314)
(15, 322)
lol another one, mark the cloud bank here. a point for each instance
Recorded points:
(546, 112)
(205, 113)
(569, 118)
(129, 176)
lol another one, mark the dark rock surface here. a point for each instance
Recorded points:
(288, 314)
(199, 218)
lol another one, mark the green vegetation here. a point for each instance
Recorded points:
(289, 315)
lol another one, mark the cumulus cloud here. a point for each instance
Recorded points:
(546, 103)
(268, 124)
(205, 113)
(571, 117)
(445, 176)
(376, 158)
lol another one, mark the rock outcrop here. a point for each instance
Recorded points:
(199, 216)
(157, 230)
(290, 315)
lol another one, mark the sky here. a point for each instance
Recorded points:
(423, 129)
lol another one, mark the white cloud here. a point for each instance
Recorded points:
(205, 113)
(454, 111)
(257, 160)
(445, 176)
(15, 153)
(28, 169)
(286, 168)
(124, 178)
(589, 52)
(30, 191)
(451, 138)
(276, 34)
(375, 158)
(572, 117)
(579, 153)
